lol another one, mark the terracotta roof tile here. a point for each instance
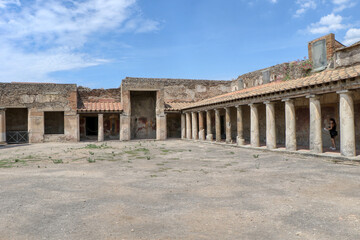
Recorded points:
(318, 78)
(100, 107)
(176, 106)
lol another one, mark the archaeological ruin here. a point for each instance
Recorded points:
(283, 106)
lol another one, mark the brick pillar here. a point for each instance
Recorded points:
(315, 136)
(240, 128)
(100, 127)
(188, 126)
(347, 124)
(125, 132)
(183, 126)
(195, 131)
(209, 134)
(290, 124)
(217, 125)
(254, 125)
(201, 126)
(228, 124)
(2, 126)
(270, 125)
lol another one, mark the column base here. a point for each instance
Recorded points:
(209, 137)
(240, 141)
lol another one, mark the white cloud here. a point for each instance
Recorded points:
(352, 36)
(327, 24)
(273, 1)
(5, 3)
(48, 35)
(340, 5)
(304, 5)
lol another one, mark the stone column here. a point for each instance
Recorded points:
(315, 136)
(209, 134)
(254, 126)
(100, 127)
(161, 127)
(228, 124)
(188, 126)
(270, 125)
(2, 126)
(183, 126)
(240, 128)
(347, 124)
(217, 125)
(201, 126)
(195, 131)
(290, 124)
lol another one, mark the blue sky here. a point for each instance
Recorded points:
(97, 43)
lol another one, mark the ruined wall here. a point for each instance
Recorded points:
(38, 98)
(280, 72)
(347, 56)
(331, 45)
(143, 117)
(111, 126)
(181, 90)
(98, 95)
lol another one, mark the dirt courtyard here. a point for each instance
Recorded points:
(173, 190)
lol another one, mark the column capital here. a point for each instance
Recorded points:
(269, 102)
(253, 104)
(313, 96)
(238, 106)
(348, 92)
(287, 100)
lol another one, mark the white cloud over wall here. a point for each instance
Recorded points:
(352, 36)
(48, 35)
(327, 24)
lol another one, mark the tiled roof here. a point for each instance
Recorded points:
(100, 107)
(318, 78)
(176, 106)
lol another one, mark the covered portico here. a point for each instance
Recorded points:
(291, 112)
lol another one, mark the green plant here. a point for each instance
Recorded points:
(255, 155)
(57, 161)
(91, 160)
(91, 153)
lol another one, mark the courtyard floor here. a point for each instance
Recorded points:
(174, 190)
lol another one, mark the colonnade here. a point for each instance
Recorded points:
(191, 120)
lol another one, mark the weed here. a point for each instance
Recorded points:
(153, 175)
(255, 155)
(91, 153)
(232, 153)
(147, 157)
(57, 161)
(91, 160)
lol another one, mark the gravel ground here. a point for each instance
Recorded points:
(173, 190)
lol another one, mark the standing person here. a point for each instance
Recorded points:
(333, 132)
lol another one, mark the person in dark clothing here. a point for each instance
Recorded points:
(333, 132)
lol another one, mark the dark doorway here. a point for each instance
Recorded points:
(173, 125)
(91, 126)
(17, 125)
(222, 123)
(143, 115)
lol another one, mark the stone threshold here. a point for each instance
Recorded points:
(334, 157)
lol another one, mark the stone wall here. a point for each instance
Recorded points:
(98, 95)
(280, 72)
(40, 98)
(347, 56)
(180, 90)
